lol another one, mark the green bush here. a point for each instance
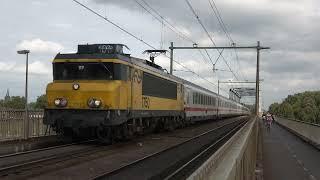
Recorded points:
(302, 106)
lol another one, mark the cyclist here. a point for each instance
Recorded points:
(269, 120)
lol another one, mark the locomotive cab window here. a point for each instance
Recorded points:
(121, 72)
(89, 71)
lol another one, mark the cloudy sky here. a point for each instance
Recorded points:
(289, 27)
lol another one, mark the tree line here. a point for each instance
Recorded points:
(302, 106)
(18, 102)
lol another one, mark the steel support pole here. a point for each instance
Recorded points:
(257, 79)
(218, 98)
(171, 58)
(26, 127)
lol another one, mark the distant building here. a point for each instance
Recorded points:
(7, 97)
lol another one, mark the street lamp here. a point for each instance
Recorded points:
(26, 119)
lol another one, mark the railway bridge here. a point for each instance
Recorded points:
(230, 149)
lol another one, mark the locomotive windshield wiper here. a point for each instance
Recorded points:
(106, 68)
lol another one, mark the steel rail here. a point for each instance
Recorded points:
(7, 168)
(43, 149)
(106, 174)
(202, 153)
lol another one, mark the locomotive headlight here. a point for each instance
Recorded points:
(63, 102)
(94, 103)
(60, 102)
(76, 86)
(97, 103)
(57, 102)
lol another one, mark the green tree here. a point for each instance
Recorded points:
(303, 106)
(15, 102)
(285, 109)
(274, 108)
(41, 102)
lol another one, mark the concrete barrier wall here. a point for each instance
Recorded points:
(309, 132)
(235, 160)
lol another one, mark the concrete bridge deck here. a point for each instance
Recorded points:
(288, 157)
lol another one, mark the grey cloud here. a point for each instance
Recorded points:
(292, 36)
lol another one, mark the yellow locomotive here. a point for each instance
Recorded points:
(100, 91)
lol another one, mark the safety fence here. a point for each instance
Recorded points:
(13, 124)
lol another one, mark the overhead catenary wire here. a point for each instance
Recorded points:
(217, 14)
(183, 34)
(162, 19)
(116, 25)
(209, 36)
(137, 38)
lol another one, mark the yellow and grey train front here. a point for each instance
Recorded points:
(89, 88)
(101, 91)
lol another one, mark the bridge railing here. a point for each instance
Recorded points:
(235, 160)
(310, 132)
(12, 124)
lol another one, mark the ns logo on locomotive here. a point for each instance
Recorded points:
(102, 92)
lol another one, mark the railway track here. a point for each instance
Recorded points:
(72, 161)
(177, 161)
(43, 149)
(17, 162)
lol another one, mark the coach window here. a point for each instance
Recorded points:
(196, 98)
(202, 99)
(188, 98)
(205, 99)
(193, 98)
